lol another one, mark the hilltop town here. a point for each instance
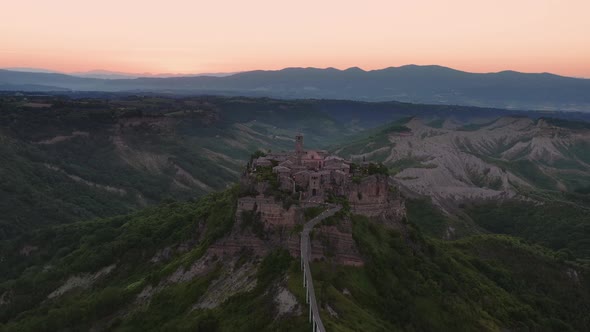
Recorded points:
(310, 175)
(279, 190)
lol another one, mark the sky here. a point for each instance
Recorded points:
(193, 36)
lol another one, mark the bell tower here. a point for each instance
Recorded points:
(299, 147)
(299, 143)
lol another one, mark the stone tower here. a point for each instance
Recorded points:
(299, 147)
(299, 143)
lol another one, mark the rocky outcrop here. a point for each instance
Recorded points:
(272, 212)
(336, 243)
(184, 176)
(62, 138)
(5, 298)
(375, 197)
(78, 179)
(237, 242)
(286, 303)
(264, 223)
(200, 267)
(235, 279)
(84, 280)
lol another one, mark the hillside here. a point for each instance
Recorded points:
(67, 159)
(81, 156)
(155, 270)
(417, 84)
(489, 158)
(107, 224)
(508, 175)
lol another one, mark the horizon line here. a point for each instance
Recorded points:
(107, 72)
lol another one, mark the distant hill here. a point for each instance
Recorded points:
(106, 74)
(456, 160)
(109, 75)
(511, 175)
(421, 84)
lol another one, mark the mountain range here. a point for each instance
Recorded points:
(109, 74)
(411, 83)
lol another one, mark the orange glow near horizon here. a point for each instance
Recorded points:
(182, 36)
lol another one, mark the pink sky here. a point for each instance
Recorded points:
(191, 36)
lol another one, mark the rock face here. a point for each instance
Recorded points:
(237, 279)
(374, 197)
(286, 303)
(263, 224)
(272, 212)
(239, 241)
(5, 298)
(84, 280)
(336, 243)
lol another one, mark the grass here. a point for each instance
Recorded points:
(312, 212)
(559, 226)
(527, 170)
(404, 163)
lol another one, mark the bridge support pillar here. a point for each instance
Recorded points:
(302, 256)
(304, 283)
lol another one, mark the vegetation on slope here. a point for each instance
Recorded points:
(409, 281)
(32, 194)
(129, 243)
(126, 242)
(79, 159)
(560, 226)
(373, 139)
(481, 283)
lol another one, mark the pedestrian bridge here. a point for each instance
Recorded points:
(314, 312)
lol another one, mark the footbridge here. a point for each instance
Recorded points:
(314, 312)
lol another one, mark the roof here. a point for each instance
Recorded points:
(286, 163)
(262, 161)
(337, 166)
(281, 169)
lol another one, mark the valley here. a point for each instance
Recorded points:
(143, 213)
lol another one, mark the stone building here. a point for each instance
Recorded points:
(312, 173)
